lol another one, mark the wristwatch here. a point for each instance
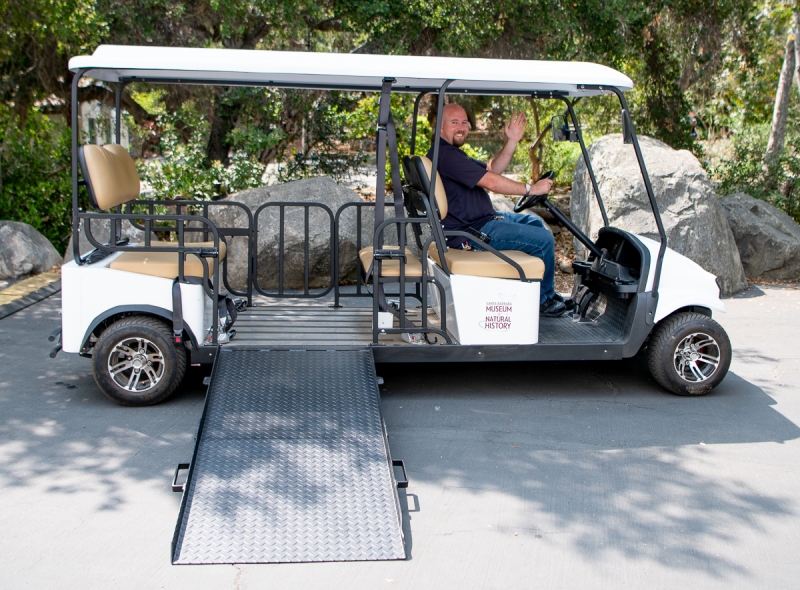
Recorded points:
(527, 190)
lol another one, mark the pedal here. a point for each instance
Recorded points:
(412, 338)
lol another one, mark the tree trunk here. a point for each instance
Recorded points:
(796, 33)
(224, 116)
(777, 132)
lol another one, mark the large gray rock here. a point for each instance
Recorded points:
(690, 211)
(100, 232)
(23, 251)
(767, 238)
(319, 190)
(502, 204)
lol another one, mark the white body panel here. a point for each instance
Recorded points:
(111, 62)
(89, 291)
(683, 282)
(488, 311)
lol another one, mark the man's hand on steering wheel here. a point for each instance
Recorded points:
(538, 192)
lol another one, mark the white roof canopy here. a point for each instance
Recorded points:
(348, 71)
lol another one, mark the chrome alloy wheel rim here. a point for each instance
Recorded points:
(136, 364)
(697, 357)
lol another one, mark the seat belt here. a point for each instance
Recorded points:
(397, 187)
(227, 312)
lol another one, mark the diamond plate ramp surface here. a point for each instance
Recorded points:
(291, 464)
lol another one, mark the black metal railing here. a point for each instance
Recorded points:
(361, 290)
(282, 290)
(223, 232)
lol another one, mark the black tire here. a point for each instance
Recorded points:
(141, 377)
(689, 353)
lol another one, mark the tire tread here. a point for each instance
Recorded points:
(660, 341)
(157, 325)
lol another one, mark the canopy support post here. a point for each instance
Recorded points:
(384, 113)
(585, 152)
(436, 137)
(76, 221)
(414, 122)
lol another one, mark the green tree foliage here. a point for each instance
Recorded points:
(706, 64)
(35, 163)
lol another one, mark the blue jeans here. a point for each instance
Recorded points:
(518, 231)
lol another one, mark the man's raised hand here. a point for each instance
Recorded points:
(516, 127)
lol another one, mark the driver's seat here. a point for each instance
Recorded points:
(476, 263)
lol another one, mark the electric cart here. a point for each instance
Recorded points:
(291, 461)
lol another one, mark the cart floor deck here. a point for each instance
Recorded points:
(306, 325)
(291, 463)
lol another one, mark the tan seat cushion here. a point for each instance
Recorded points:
(391, 268)
(165, 264)
(111, 174)
(479, 263)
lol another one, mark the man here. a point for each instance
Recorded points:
(470, 208)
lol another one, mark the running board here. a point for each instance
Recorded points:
(291, 463)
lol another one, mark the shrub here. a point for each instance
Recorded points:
(745, 170)
(36, 175)
(184, 173)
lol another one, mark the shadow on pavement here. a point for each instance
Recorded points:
(594, 451)
(56, 424)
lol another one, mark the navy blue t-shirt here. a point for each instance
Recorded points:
(468, 205)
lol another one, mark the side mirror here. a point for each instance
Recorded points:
(560, 128)
(627, 127)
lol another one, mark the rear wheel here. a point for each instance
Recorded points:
(689, 354)
(135, 362)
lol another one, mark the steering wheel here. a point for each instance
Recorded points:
(531, 200)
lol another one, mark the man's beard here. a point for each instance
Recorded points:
(458, 141)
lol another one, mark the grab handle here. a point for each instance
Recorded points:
(176, 487)
(401, 483)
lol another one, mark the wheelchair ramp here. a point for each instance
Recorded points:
(291, 464)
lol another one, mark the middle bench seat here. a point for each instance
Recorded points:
(165, 264)
(480, 263)
(391, 268)
(474, 263)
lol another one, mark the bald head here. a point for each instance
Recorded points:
(455, 125)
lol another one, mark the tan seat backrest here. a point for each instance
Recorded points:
(110, 174)
(441, 196)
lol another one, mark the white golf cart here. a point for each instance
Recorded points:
(291, 461)
(141, 311)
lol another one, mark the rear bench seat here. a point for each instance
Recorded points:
(111, 180)
(165, 264)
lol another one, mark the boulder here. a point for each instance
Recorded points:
(23, 250)
(319, 190)
(100, 231)
(767, 238)
(502, 204)
(690, 210)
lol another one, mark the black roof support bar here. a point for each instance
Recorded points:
(436, 136)
(76, 222)
(414, 122)
(662, 234)
(585, 152)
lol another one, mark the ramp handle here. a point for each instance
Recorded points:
(176, 487)
(401, 483)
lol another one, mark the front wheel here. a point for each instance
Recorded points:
(135, 362)
(689, 354)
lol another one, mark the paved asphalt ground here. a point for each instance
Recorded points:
(522, 475)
